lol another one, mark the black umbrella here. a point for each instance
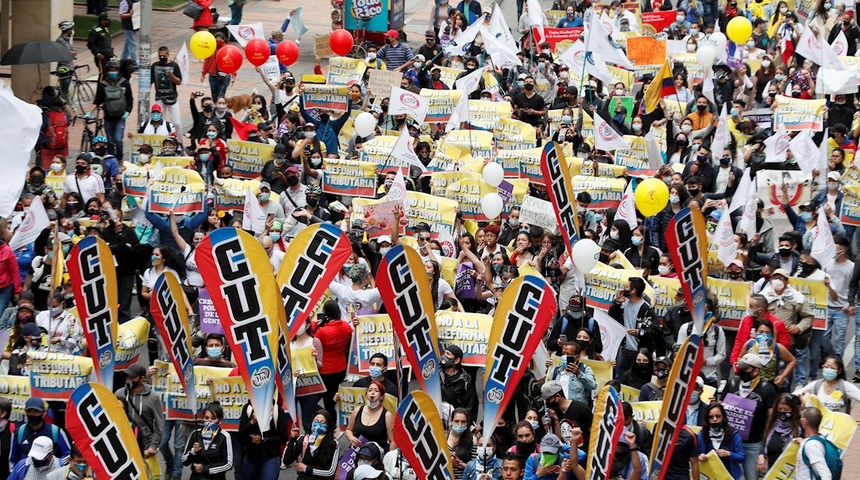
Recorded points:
(36, 52)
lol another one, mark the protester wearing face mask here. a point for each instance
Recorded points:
(63, 329)
(315, 454)
(26, 436)
(577, 379)
(832, 390)
(782, 427)
(212, 355)
(718, 436)
(678, 198)
(456, 382)
(486, 465)
(77, 468)
(748, 384)
(575, 317)
(114, 97)
(777, 362)
(39, 463)
(655, 390)
(144, 409)
(371, 421)
(789, 305)
(209, 450)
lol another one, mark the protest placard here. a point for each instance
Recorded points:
(605, 192)
(131, 339)
(374, 334)
(815, 294)
(635, 158)
(731, 299)
(380, 81)
(344, 71)
(647, 413)
(478, 143)
(248, 158)
(351, 398)
(447, 157)
(230, 193)
(585, 167)
(378, 151)
(53, 376)
(349, 177)
(441, 104)
(134, 180)
(326, 97)
(448, 75)
(665, 290)
(177, 189)
(798, 114)
(485, 114)
(209, 321)
(513, 134)
(308, 379)
(379, 218)
(322, 47)
(182, 162)
(646, 50)
(603, 283)
(740, 412)
(17, 389)
(535, 211)
(154, 141)
(850, 214)
(469, 331)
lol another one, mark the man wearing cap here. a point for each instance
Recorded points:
(789, 305)
(64, 329)
(366, 472)
(575, 317)
(25, 438)
(271, 207)
(156, 125)
(431, 49)
(565, 414)
(99, 43)
(456, 382)
(143, 409)
(39, 462)
(274, 172)
(551, 463)
(83, 182)
(653, 391)
(169, 147)
(31, 334)
(748, 384)
(577, 380)
(395, 53)
(327, 128)
(417, 71)
(265, 130)
(434, 80)
(11, 314)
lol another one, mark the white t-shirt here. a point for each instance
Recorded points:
(362, 301)
(150, 276)
(815, 453)
(835, 402)
(276, 259)
(88, 187)
(192, 273)
(444, 289)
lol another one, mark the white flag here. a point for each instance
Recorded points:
(747, 223)
(599, 41)
(253, 216)
(447, 242)
(823, 159)
(298, 22)
(573, 57)
(460, 114)
(708, 86)
(408, 103)
(776, 146)
(724, 237)
(397, 192)
(535, 14)
(470, 82)
(404, 151)
(739, 199)
(460, 45)
(721, 136)
(611, 332)
(823, 246)
(596, 67)
(835, 81)
(627, 207)
(499, 29)
(184, 64)
(840, 44)
(245, 33)
(655, 155)
(33, 222)
(501, 54)
(21, 122)
(805, 151)
(605, 137)
(809, 47)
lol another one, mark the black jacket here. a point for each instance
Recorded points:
(270, 446)
(217, 459)
(321, 463)
(98, 41)
(650, 334)
(126, 248)
(456, 391)
(129, 99)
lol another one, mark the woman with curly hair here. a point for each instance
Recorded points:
(163, 259)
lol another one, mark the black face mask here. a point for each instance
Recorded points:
(622, 455)
(603, 258)
(806, 269)
(529, 86)
(662, 374)
(37, 179)
(746, 376)
(795, 94)
(446, 362)
(292, 181)
(693, 192)
(313, 202)
(100, 151)
(701, 108)
(734, 275)
(400, 121)
(583, 345)
(324, 117)
(384, 107)
(208, 107)
(436, 77)
(681, 143)
(80, 169)
(42, 463)
(642, 367)
(34, 420)
(784, 252)
(524, 449)
(784, 416)
(163, 60)
(716, 430)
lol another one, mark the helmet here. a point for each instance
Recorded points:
(114, 63)
(66, 25)
(63, 70)
(99, 139)
(314, 189)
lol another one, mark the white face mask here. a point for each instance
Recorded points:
(56, 167)
(663, 269)
(832, 185)
(686, 128)
(302, 329)
(143, 158)
(691, 47)
(619, 91)
(777, 284)
(765, 63)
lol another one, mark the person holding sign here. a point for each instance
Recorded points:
(209, 450)
(719, 436)
(833, 391)
(315, 454)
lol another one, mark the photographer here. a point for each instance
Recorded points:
(530, 107)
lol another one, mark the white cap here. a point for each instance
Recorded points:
(41, 448)
(384, 238)
(363, 472)
(834, 175)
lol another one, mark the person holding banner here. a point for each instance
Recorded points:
(315, 454)
(25, 436)
(210, 450)
(833, 391)
(717, 435)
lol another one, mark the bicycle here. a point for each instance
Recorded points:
(89, 134)
(360, 46)
(81, 93)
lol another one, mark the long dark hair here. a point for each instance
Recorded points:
(434, 283)
(463, 448)
(793, 403)
(728, 431)
(328, 438)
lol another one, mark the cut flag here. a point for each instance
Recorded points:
(607, 138)
(662, 86)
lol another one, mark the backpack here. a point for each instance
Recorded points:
(57, 132)
(55, 435)
(658, 392)
(114, 104)
(832, 455)
(840, 387)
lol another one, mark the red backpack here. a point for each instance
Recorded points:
(57, 133)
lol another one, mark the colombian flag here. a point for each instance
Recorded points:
(662, 86)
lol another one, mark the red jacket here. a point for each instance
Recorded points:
(205, 19)
(335, 337)
(782, 336)
(9, 274)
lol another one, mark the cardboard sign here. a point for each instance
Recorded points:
(322, 48)
(380, 82)
(646, 50)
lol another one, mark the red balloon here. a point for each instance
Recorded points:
(287, 52)
(340, 42)
(257, 51)
(229, 59)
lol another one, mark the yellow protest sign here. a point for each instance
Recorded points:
(230, 193)
(134, 180)
(554, 119)
(647, 413)
(513, 134)
(56, 183)
(154, 141)
(521, 163)
(629, 394)
(447, 157)
(837, 427)
(815, 295)
(438, 212)
(485, 114)
(797, 114)
(635, 158)
(350, 398)
(449, 75)
(605, 192)
(579, 166)
(248, 158)
(232, 394)
(469, 331)
(713, 468)
(468, 193)
(441, 104)
(351, 178)
(602, 372)
(17, 389)
(479, 143)
(53, 376)
(731, 299)
(177, 189)
(378, 151)
(374, 334)
(344, 71)
(440, 181)
(622, 75)
(674, 106)
(308, 379)
(603, 282)
(326, 97)
(664, 289)
(131, 339)
(695, 71)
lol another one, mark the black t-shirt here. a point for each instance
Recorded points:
(165, 89)
(578, 414)
(685, 449)
(535, 103)
(268, 173)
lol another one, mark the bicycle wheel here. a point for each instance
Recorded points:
(82, 95)
(358, 51)
(86, 139)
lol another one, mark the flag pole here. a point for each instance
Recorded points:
(55, 248)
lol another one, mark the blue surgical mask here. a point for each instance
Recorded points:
(319, 428)
(275, 236)
(535, 424)
(213, 352)
(694, 398)
(375, 372)
(264, 197)
(113, 75)
(155, 117)
(521, 83)
(566, 119)
(734, 112)
(636, 241)
(598, 217)
(459, 429)
(806, 216)
(828, 373)
(204, 157)
(211, 134)
(563, 362)
(694, 32)
(674, 199)
(637, 127)
(764, 338)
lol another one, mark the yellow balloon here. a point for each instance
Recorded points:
(739, 30)
(651, 196)
(202, 44)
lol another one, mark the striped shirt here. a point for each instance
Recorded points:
(395, 55)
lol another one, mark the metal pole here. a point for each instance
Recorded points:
(144, 54)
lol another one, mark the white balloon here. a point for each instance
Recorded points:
(492, 205)
(364, 124)
(705, 55)
(494, 174)
(718, 40)
(585, 255)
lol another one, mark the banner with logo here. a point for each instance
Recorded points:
(154, 141)
(521, 319)
(850, 214)
(731, 300)
(646, 413)
(131, 340)
(177, 189)
(513, 134)
(636, 158)
(345, 71)
(605, 192)
(603, 282)
(230, 193)
(378, 151)
(560, 190)
(352, 178)
(134, 180)
(232, 394)
(171, 317)
(310, 264)
(248, 158)
(469, 331)
(441, 104)
(688, 246)
(815, 295)
(420, 435)
(554, 36)
(351, 398)
(405, 291)
(326, 97)
(237, 273)
(486, 114)
(100, 428)
(606, 428)
(688, 361)
(53, 376)
(798, 114)
(93, 277)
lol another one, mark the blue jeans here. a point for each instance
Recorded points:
(6, 294)
(265, 470)
(837, 325)
(129, 50)
(235, 13)
(801, 371)
(751, 452)
(114, 131)
(819, 347)
(218, 85)
(173, 458)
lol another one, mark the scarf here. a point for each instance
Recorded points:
(208, 434)
(745, 388)
(783, 429)
(787, 295)
(765, 351)
(313, 441)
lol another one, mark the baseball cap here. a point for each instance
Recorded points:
(664, 359)
(31, 330)
(834, 175)
(280, 150)
(41, 448)
(522, 76)
(144, 149)
(104, 16)
(420, 58)
(737, 263)
(576, 303)
(392, 33)
(155, 108)
(549, 389)
(750, 360)
(27, 306)
(35, 403)
(550, 444)
(265, 185)
(782, 272)
(455, 350)
(363, 472)
(422, 227)
(383, 239)
(700, 383)
(806, 206)
(292, 168)
(136, 370)
(264, 126)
